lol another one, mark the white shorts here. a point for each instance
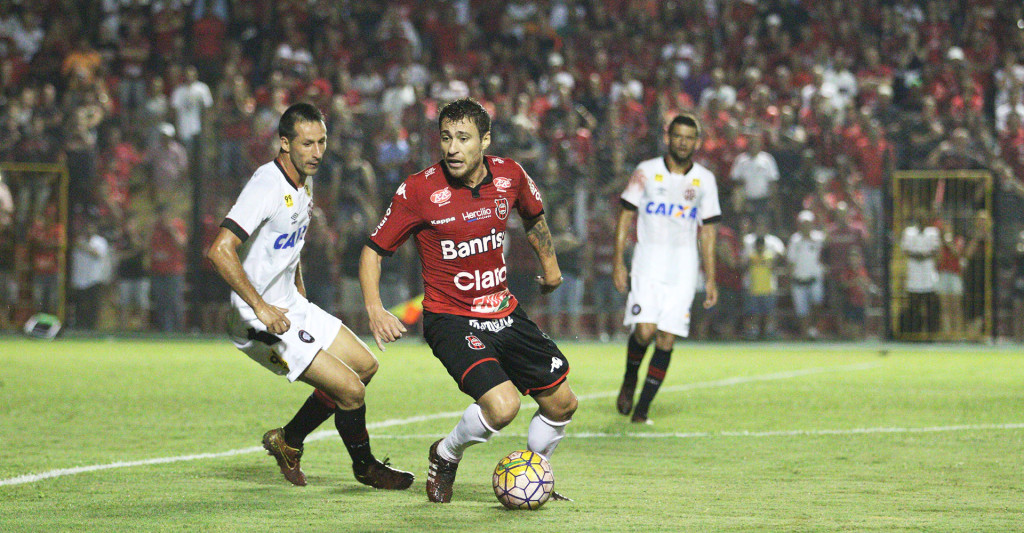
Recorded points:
(666, 305)
(806, 295)
(288, 354)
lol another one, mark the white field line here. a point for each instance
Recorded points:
(319, 435)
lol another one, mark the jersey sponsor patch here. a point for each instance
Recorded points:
(492, 303)
(474, 342)
(690, 194)
(659, 177)
(441, 196)
(533, 188)
(305, 337)
(288, 200)
(502, 183)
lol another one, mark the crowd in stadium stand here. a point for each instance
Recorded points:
(161, 109)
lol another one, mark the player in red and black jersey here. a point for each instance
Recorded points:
(457, 211)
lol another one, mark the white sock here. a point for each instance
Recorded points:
(472, 429)
(544, 435)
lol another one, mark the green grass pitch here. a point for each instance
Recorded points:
(746, 437)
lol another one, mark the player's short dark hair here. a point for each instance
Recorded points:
(686, 119)
(466, 108)
(300, 112)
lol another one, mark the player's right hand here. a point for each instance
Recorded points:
(621, 278)
(274, 318)
(385, 326)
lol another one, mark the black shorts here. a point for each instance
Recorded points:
(482, 353)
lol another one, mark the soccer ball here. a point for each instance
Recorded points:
(523, 480)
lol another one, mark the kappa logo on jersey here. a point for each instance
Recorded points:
(492, 303)
(556, 363)
(441, 196)
(533, 188)
(288, 200)
(304, 336)
(401, 190)
(289, 240)
(493, 326)
(475, 342)
(690, 194)
(502, 184)
(499, 160)
(429, 172)
(670, 210)
(480, 214)
(442, 221)
(501, 208)
(452, 250)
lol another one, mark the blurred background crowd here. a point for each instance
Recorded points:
(161, 110)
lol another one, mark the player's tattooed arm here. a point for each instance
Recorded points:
(539, 236)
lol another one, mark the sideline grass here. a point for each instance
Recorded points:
(77, 403)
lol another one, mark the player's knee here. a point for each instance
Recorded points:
(644, 335)
(350, 396)
(500, 411)
(366, 374)
(664, 341)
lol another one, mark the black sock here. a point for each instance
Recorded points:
(655, 375)
(635, 353)
(352, 428)
(314, 412)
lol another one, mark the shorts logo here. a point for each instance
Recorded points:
(635, 310)
(501, 208)
(493, 326)
(441, 196)
(556, 363)
(474, 342)
(502, 183)
(304, 336)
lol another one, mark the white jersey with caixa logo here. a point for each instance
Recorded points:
(271, 217)
(670, 209)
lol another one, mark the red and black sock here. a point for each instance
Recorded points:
(352, 428)
(318, 408)
(635, 353)
(655, 375)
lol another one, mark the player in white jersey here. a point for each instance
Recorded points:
(257, 253)
(674, 201)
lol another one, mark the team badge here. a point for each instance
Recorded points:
(690, 194)
(288, 200)
(659, 177)
(441, 196)
(304, 336)
(475, 342)
(308, 192)
(502, 183)
(501, 208)
(696, 182)
(635, 310)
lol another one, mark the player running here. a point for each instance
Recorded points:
(676, 198)
(257, 253)
(457, 210)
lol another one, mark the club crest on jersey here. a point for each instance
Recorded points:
(474, 342)
(441, 196)
(690, 194)
(502, 184)
(288, 200)
(501, 208)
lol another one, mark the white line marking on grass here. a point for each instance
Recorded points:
(779, 433)
(320, 435)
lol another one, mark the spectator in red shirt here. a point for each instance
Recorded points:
(874, 158)
(167, 270)
(856, 288)
(46, 242)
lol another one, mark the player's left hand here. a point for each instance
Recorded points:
(547, 286)
(711, 297)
